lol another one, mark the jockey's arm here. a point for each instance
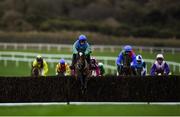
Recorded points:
(134, 59)
(68, 70)
(88, 49)
(74, 48)
(103, 70)
(144, 71)
(153, 68)
(57, 69)
(119, 59)
(45, 68)
(34, 63)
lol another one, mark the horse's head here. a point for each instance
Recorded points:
(81, 66)
(127, 60)
(80, 61)
(126, 64)
(81, 56)
(35, 72)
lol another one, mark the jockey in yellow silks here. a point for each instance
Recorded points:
(40, 63)
(62, 68)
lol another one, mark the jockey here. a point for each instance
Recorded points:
(63, 67)
(94, 66)
(81, 45)
(140, 64)
(126, 51)
(160, 66)
(101, 68)
(41, 64)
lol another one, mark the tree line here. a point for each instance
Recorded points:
(140, 18)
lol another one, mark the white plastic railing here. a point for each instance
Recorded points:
(50, 58)
(101, 48)
(54, 58)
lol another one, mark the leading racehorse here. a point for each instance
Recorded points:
(82, 71)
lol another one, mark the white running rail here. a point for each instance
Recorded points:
(86, 103)
(102, 48)
(50, 58)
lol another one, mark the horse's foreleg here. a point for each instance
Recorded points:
(80, 77)
(82, 83)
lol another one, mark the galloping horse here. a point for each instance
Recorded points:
(82, 71)
(126, 68)
(35, 72)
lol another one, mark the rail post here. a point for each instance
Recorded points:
(151, 50)
(39, 47)
(5, 46)
(48, 47)
(24, 46)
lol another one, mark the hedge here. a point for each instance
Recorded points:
(99, 89)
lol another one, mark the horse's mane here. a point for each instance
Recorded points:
(127, 60)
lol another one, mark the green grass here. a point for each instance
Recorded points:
(92, 110)
(12, 70)
(22, 70)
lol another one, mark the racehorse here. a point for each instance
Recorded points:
(35, 72)
(95, 71)
(126, 67)
(126, 70)
(61, 74)
(82, 71)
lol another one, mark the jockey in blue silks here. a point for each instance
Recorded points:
(81, 45)
(141, 65)
(126, 51)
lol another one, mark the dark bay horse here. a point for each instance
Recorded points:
(126, 69)
(35, 72)
(82, 71)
